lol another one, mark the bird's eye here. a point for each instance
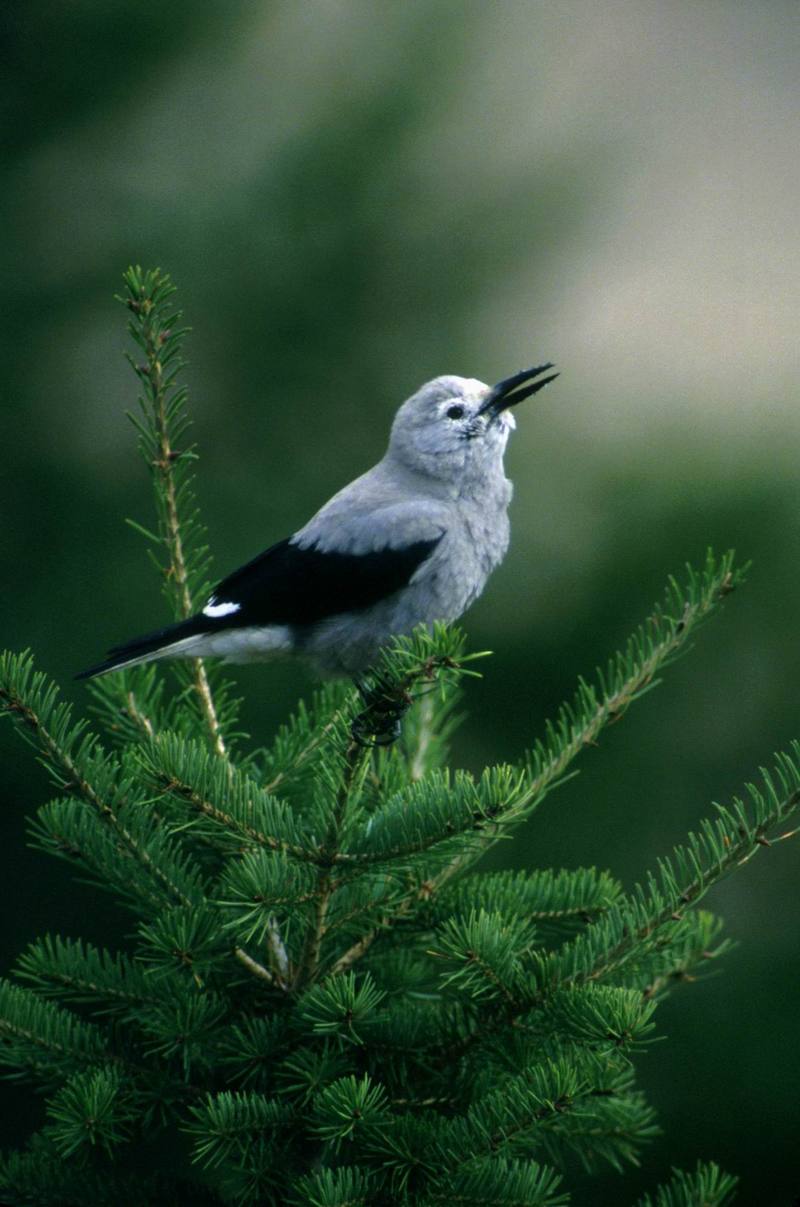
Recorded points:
(455, 412)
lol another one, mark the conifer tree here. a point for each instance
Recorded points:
(321, 997)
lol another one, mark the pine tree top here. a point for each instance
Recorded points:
(321, 997)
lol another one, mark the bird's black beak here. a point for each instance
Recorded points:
(506, 394)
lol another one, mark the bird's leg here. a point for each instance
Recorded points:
(363, 687)
(390, 735)
(380, 722)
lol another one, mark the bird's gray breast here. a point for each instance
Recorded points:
(475, 543)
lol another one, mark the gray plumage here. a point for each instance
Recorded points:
(412, 540)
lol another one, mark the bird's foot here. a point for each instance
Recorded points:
(380, 722)
(365, 736)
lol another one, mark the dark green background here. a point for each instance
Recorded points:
(354, 197)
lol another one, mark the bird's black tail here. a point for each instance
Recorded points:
(150, 646)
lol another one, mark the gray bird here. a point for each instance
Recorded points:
(412, 540)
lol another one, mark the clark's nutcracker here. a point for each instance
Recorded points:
(412, 540)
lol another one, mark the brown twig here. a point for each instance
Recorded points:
(163, 467)
(355, 758)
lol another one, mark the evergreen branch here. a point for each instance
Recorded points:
(92, 1110)
(153, 327)
(44, 1040)
(253, 966)
(223, 1122)
(40, 1177)
(186, 941)
(165, 423)
(351, 774)
(304, 734)
(362, 945)
(349, 1110)
(78, 764)
(432, 812)
(644, 938)
(308, 1069)
(680, 957)
(240, 811)
(501, 1021)
(174, 766)
(438, 811)
(130, 703)
(346, 1186)
(425, 736)
(577, 1102)
(628, 675)
(365, 899)
(707, 1186)
(604, 1018)
(500, 1183)
(614, 1130)
(632, 671)
(190, 941)
(546, 897)
(262, 880)
(69, 830)
(596, 1119)
(80, 972)
(549, 898)
(184, 1028)
(250, 1050)
(137, 716)
(485, 953)
(428, 729)
(631, 928)
(435, 657)
(342, 1006)
(252, 889)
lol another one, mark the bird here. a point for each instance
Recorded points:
(411, 541)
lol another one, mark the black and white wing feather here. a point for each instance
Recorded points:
(286, 585)
(298, 586)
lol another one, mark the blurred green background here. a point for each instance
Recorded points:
(353, 198)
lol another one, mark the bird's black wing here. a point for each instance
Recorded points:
(285, 585)
(290, 585)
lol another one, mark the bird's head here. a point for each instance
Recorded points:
(456, 428)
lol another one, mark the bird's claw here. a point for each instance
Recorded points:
(380, 722)
(364, 736)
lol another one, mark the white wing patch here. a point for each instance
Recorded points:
(213, 609)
